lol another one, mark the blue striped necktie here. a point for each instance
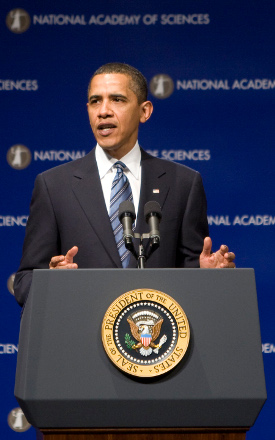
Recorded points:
(121, 191)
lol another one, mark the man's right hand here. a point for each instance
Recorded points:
(65, 262)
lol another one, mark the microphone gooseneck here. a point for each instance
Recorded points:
(127, 216)
(152, 213)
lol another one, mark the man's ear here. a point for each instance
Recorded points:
(146, 109)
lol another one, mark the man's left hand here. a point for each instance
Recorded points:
(220, 259)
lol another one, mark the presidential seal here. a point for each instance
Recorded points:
(145, 332)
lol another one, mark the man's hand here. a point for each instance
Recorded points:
(220, 259)
(65, 262)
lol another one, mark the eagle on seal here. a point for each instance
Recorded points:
(145, 337)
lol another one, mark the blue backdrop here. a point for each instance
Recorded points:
(210, 66)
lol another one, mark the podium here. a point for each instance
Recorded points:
(68, 387)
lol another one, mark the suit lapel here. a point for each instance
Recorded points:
(154, 187)
(88, 191)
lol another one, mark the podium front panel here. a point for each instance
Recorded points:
(65, 379)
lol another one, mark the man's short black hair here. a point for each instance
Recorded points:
(138, 83)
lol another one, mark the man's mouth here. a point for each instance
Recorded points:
(106, 129)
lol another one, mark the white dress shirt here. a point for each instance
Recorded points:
(107, 172)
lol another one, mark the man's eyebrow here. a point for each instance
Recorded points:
(112, 95)
(118, 95)
(94, 97)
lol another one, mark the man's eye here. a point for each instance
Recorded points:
(118, 100)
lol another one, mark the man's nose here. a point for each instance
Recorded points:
(105, 109)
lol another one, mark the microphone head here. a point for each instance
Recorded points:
(126, 208)
(152, 208)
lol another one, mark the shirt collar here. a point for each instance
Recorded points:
(131, 160)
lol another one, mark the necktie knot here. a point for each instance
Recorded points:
(120, 179)
(120, 167)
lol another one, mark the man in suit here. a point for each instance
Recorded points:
(69, 224)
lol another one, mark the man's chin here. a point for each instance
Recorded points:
(108, 147)
(115, 150)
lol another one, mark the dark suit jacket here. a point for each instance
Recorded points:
(68, 209)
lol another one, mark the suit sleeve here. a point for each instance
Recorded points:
(41, 242)
(194, 226)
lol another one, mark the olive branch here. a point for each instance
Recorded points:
(128, 341)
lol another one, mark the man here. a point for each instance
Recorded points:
(69, 224)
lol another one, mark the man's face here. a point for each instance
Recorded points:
(115, 114)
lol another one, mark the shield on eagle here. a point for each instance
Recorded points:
(146, 339)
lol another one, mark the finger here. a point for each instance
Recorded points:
(60, 265)
(66, 266)
(230, 256)
(71, 254)
(207, 246)
(229, 265)
(56, 260)
(223, 249)
(55, 266)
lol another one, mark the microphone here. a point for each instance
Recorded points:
(127, 216)
(152, 213)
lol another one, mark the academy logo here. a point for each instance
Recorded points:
(161, 86)
(10, 283)
(17, 420)
(19, 157)
(145, 333)
(18, 21)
